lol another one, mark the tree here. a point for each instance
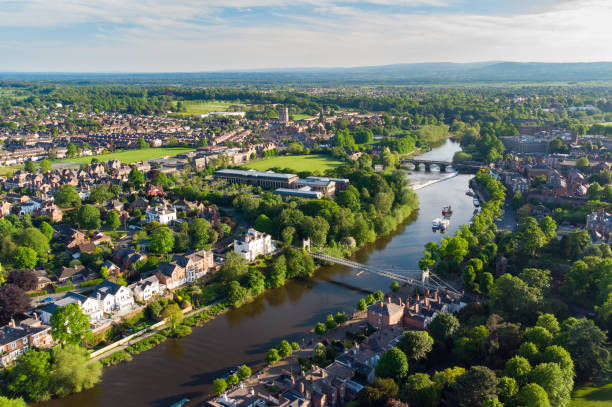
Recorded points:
(393, 364)
(557, 385)
(537, 279)
(89, 217)
(71, 150)
(30, 376)
(548, 227)
(477, 385)
(112, 220)
(237, 294)
(26, 280)
(6, 402)
(72, 372)
(45, 166)
(219, 386)
(136, 177)
(278, 272)
(46, 229)
(443, 326)
(66, 196)
(284, 349)
(161, 240)
(419, 390)
(264, 224)
(529, 351)
(233, 268)
(416, 344)
(172, 314)
(533, 395)
(582, 163)
(578, 280)
(531, 236)
(25, 258)
(232, 380)
(507, 387)
(272, 357)
(586, 343)
(394, 286)
(30, 166)
(287, 235)
(142, 143)
(362, 305)
(13, 300)
(512, 297)
(518, 368)
(33, 238)
(256, 282)
(244, 372)
(340, 318)
(99, 194)
(378, 392)
(199, 233)
(557, 354)
(69, 325)
(539, 336)
(316, 229)
(320, 328)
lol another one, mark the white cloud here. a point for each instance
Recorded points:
(155, 36)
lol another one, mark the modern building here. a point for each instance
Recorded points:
(88, 305)
(253, 244)
(264, 179)
(304, 192)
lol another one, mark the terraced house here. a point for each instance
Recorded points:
(16, 339)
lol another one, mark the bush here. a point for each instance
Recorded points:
(116, 358)
(64, 288)
(91, 283)
(146, 344)
(180, 331)
(38, 294)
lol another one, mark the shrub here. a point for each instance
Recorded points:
(116, 358)
(91, 283)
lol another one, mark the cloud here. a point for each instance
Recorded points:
(154, 35)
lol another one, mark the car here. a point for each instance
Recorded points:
(48, 299)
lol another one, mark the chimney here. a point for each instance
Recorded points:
(416, 308)
(426, 301)
(389, 300)
(436, 294)
(429, 307)
(35, 315)
(408, 303)
(381, 304)
(11, 323)
(427, 292)
(399, 301)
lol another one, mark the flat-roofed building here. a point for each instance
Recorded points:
(304, 192)
(264, 179)
(323, 185)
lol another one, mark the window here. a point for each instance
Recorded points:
(13, 345)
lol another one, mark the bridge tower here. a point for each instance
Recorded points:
(425, 277)
(306, 244)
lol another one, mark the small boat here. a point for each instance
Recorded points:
(447, 211)
(180, 403)
(444, 224)
(436, 223)
(476, 202)
(469, 192)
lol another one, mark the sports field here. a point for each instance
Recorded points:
(297, 163)
(195, 107)
(130, 156)
(592, 396)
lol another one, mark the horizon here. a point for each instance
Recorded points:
(148, 36)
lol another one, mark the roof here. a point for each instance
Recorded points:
(388, 308)
(11, 334)
(255, 174)
(168, 269)
(105, 288)
(69, 298)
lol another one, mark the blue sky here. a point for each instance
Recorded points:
(205, 35)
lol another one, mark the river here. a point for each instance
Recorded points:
(186, 367)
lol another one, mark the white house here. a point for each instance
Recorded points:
(161, 214)
(30, 206)
(88, 305)
(112, 297)
(147, 288)
(253, 244)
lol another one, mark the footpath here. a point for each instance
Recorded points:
(124, 343)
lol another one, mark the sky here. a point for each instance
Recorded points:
(222, 35)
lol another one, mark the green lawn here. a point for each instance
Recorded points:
(297, 117)
(130, 156)
(297, 163)
(201, 107)
(592, 396)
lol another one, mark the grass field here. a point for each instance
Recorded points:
(592, 396)
(297, 163)
(300, 116)
(130, 156)
(201, 107)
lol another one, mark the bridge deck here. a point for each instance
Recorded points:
(413, 277)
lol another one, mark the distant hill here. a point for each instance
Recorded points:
(409, 74)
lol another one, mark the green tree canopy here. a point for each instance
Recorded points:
(70, 325)
(72, 371)
(393, 364)
(161, 240)
(416, 344)
(89, 217)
